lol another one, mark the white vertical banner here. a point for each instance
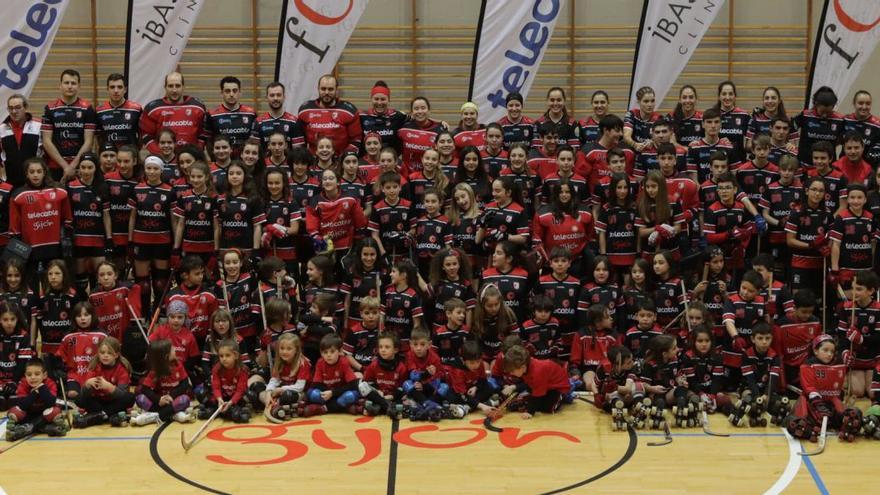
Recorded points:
(27, 30)
(311, 38)
(669, 33)
(156, 35)
(848, 33)
(512, 38)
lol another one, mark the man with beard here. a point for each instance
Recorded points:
(277, 119)
(330, 117)
(231, 118)
(182, 114)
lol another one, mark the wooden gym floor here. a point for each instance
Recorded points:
(572, 452)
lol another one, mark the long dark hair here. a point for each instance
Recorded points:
(678, 115)
(612, 193)
(560, 209)
(357, 266)
(461, 174)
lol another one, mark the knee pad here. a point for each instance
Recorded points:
(680, 392)
(408, 386)
(288, 397)
(51, 413)
(365, 388)
(415, 375)
(493, 383)
(201, 393)
(257, 387)
(347, 398)
(180, 403)
(16, 414)
(576, 383)
(144, 402)
(441, 388)
(314, 396)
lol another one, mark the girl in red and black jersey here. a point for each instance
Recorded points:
(853, 238)
(188, 155)
(464, 216)
(222, 327)
(659, 223)
(509, 276)
(445, 146)
(703, 368)
(250, 157)
(325, 159)
(601, 289)
(636, 287)
(221, 151)
(352, 186)
(14, 290)
(402, 302)
(167, 140)
(687, 121)
(240, 214)
(714, 290)
(557, 114)
(495, 157)
(762, 118)
(197, 224)
(282, 218)
(564, 170)
(165, 391)
(493, 322)
(667, 290)
(807, 234)
(52, 315)
(637, 122)
(431, 232)
(504, 219)
(92, 236)
(274, 282)
(417, 134)
(149, 231)
(105, 391)
(37, 213)
(364, 277)
(662, 372)
(564, 222)
(589, 127)
(469, 131)
(451, 278)
(120, 188)
(332, 216)
(303, 187)
(430, 176)
(277, 152)
(234, 291)
(522, 175)
(115, 304)
(471, 172)
(820, 123)
(734, 120)
(617, 238)
(321, 279)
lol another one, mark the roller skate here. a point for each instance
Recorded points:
(145, 418)
(57, 428)
(657, 414)
(871, 423)
(639, 413)
(620, 419)
(681, 412)
(89, 419)
(188, 415)
(850, 425)
(372, 409)
(205, 412)
(456, 411)
(16, 430)
(779, 408)
(119, 419)
(797, 427)
(695, 411)
(741, 410)
(756, 413)
(239, 414)
(434, 411)
(357, 409)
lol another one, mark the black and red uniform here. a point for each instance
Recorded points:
(385, 125)
(730, 227)
(588, 130)
(445, 290)
(239, 305)
(287, 124)
(186, 117)
(357, 189)
(761, 372)
(580, 190)
(647, 161)
(238, 217)
(415, 138)
(505, 221)
(869, 130)
(688, 129)
(514, 286)
(667, 375)
(198, 212)
(631, 297)
(415, 191)
(360, 343)
(780, 301)
(76, 352)
(734, 127)
(339, 122)
(867, 321)
(201, 303)
(821, 386)
(780, 200)
(494, 164)
(671, 243)
(855, 235)
(401, 308)
(270, 290)
(744, 315)
(119, 125)
(36, 217)
(704, 373)
(284, 213)
(754, 180)
(482, 187)
(640, 124)
(112, 308)
(464, 237)
(54, 321)
(24, 298)
(476, 138)
(807, 224)
(669, 299)
(529, 184)
(15, 352)
(811, 128)
(523, 131)
(636, 339)
(490, 339)
(565, 294)
(699, 152)
(541, 163)
(541, 338)
(340, 219)
(153, 206)
(607, 294)
(68, 123)
(447, 344)
(359, 286)
(835, 187)
(548, 384)
(303, 192)
(431, 235)
(792, 341)
(617, 222)
(568, 131)
(88, 207)
(391, 222)
(237, 124)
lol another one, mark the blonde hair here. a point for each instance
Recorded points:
(452, 212)
(114, 346)
(506, 316)
(298, 357)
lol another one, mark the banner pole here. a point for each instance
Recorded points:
(413, 49)
(730, 17)
(94, 53)
(255, 54)
(809, 45)
(571, 67)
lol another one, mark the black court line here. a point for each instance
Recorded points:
(630, 450)
(392, 458)
(154, 453)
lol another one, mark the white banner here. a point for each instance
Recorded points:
(27, 29)
(512, 38)
(311, 38)
(157, 33)
(670, 32)
(846, 37)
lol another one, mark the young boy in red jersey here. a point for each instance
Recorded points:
(199, 299)
(858, 332)
(541, 333)
(334, 385)
(547, 381)
(361, 339)
(384, 377)
(426, 375)
(35, 408)
(793, 335)
(449, 338)
(822, 378)
(636, 338)
(472, 389)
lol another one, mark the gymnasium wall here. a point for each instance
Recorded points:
(430, 53)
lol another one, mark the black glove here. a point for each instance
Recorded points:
(820, 407)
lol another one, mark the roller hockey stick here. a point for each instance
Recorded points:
(68, 414)
(188, 444)
(267, 411)
(666, 441)
(17, 443)
(138, 321)
(707, 430)
(498, 413)
(678, 317)
(822, 437)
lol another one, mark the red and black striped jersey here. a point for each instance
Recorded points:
(806, 224)
(286, 124)
(640, 124)
(754, 180)
(238, 216)
(856, 235)
(88, 208)
(523, 131)
(153, 207)
(68, 124)
(237, 124)
(119, 125)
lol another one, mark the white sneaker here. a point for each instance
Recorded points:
(182, 417)
(145, 418)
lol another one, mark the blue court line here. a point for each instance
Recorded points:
(815, 474)
(83, 439)
(709, 436)
(3, 420)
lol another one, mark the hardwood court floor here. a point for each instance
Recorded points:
(572, 452)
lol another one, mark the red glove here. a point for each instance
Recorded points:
(819, 241)
(848, 358)
(266, 239)
(824, 250)
(277, 231)
(737, 233)
(740, 344)
(833, 277)
(854, 335)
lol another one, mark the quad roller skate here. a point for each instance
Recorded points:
(779, 408)
(695, 411)
(756, 413)
(620, 419)
(850, 425)
(119, 419)
(741, 410)
(801, 428)
(639, 413)
(871, 423)
(657, 414)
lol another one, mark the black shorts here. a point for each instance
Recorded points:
(807, 278)
(87, 252)
(147, 252)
